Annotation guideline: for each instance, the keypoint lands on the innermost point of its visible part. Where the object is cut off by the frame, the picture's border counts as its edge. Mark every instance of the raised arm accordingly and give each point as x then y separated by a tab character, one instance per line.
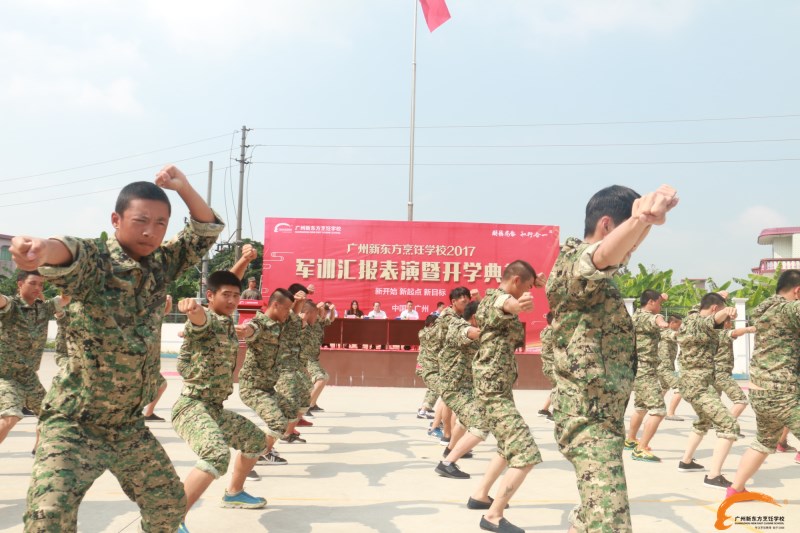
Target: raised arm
32	252
249	255
193	311
170	177
515	307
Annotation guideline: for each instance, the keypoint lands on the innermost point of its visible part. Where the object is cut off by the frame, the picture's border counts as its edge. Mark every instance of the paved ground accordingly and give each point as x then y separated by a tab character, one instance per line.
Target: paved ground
368	466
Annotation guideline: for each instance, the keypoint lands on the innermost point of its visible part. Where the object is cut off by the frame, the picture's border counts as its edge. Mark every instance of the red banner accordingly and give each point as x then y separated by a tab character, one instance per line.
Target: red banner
392	262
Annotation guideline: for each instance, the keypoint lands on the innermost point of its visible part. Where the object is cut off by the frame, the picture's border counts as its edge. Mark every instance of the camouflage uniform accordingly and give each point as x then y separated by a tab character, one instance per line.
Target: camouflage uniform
92	416
206	363
698	341
23	334
259	374
723	370
315	370
546	337
594	348
494	371
423	363
646	386
667	351
429	362
61	357
774	369
291	381
455	367
251	294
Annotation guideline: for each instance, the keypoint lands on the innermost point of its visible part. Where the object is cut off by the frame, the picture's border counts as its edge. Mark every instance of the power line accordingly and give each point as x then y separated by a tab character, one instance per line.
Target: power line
111	160
579	145
541	124
337	164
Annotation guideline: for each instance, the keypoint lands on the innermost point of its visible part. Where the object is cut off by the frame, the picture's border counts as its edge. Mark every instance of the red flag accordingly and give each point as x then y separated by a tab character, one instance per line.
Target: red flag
436	13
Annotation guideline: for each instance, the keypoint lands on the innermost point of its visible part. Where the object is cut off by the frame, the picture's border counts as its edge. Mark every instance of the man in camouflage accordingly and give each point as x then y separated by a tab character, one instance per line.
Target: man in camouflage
698	339
319	377
546	336
723	367
309	344
424	359
648	324
774	378
206	362
594	350
23	333
91	418
455	364
494	371
667	352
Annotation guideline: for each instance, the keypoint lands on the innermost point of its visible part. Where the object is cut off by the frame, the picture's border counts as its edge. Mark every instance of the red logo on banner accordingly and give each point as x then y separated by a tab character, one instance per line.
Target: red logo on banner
392	262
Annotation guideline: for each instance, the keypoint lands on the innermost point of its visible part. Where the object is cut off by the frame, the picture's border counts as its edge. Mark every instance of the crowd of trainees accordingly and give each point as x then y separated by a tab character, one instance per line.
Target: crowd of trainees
91	418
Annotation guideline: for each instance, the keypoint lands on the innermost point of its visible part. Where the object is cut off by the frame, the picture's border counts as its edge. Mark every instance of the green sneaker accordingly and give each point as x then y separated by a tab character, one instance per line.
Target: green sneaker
644	455
242	500
631	444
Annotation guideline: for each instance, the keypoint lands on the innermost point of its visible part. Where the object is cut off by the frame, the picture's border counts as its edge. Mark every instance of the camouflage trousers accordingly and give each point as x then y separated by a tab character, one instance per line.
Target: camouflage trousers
271	406
210	431
296	388
316	371
774	410
515	441
14	395
666	375
468	409
433	382
711	412
72	455
548	370
724	382
430	399
647	391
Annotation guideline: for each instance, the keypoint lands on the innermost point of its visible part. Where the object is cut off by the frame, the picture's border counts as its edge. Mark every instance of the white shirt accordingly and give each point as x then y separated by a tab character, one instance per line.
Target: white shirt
379	315
409	315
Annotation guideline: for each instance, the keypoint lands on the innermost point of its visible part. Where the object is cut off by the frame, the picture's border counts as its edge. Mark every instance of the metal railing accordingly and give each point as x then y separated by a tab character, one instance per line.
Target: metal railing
771	264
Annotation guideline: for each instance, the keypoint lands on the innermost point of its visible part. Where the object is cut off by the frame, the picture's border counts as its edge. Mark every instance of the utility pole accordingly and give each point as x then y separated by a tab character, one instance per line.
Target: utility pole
413	114
242	162
204	271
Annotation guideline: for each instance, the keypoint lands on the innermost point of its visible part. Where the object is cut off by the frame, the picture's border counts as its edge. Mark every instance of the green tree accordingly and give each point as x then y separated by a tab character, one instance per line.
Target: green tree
757	287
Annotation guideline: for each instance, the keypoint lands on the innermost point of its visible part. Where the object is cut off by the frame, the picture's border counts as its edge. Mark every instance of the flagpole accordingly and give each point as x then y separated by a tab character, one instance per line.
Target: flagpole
413	113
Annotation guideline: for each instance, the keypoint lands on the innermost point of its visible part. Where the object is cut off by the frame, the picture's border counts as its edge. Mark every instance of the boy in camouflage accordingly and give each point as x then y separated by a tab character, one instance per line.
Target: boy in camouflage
594	350
546	336
667	352
23	334
494	371
91	418
423	361
723	367
698	339
773	374
206	363
319	377
648	324
309	344
455	364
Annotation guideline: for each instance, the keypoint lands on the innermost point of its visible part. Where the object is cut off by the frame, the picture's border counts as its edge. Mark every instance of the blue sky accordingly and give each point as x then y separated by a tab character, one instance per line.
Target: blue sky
138	84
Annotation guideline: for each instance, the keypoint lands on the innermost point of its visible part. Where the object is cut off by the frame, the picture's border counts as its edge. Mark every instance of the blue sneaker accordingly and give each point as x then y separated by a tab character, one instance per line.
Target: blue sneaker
242	500
436	432
182	528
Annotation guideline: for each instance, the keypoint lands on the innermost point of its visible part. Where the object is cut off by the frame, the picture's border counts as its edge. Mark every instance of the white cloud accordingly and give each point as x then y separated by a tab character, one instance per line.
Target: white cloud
756	218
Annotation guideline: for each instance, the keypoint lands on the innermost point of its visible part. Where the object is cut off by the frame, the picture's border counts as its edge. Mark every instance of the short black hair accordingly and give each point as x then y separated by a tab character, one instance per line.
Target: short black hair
294	288
140	190
22	275
220	278
615	201
520	268
430	320
470	310
712	298
278	295
440	304
674	318
789	279
648	296
459	292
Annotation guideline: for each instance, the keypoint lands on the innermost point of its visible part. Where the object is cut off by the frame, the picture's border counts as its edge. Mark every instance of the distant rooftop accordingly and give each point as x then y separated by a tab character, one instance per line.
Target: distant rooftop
768	235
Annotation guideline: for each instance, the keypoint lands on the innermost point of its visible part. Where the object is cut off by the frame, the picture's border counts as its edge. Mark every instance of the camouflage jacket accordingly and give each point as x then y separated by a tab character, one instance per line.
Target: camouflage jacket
776	357
309	345
455	358
435	341
61	355
494	367
23	334
668	347
594	343
319	334
114	331
723	359
648	334
698	341
425	358
249	294
290	345
546	336
260	367
207	358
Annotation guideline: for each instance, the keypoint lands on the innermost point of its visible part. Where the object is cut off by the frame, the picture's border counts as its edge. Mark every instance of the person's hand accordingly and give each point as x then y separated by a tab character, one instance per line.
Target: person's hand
332	307
243	330
171	178
299	296
168	305
321	306
525	302
29	253
732	313
724	294
540	280
249	252
310	289
664	296
652	208
188	306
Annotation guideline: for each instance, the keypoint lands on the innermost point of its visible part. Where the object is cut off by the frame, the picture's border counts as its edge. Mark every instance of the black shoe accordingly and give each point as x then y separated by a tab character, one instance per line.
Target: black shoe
503	527
316	408
718	482
690	467
477	504
292	438
452	471
544	413
154	418
447	451
253	476
27	412
309	413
